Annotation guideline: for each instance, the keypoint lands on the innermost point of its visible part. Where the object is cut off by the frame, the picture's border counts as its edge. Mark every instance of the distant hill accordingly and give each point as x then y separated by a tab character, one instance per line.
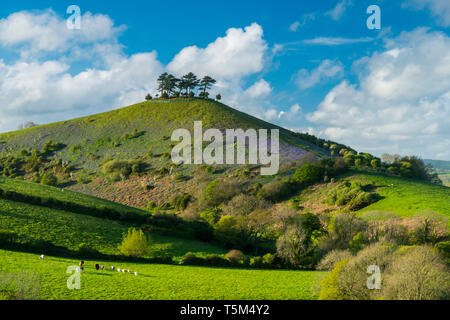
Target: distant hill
438	164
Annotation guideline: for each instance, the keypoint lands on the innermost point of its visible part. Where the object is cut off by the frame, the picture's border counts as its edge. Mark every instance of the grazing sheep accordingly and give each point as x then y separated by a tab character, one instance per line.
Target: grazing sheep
135	273
41	256
129	271
123	270
113	268
97	266
118	269
102	267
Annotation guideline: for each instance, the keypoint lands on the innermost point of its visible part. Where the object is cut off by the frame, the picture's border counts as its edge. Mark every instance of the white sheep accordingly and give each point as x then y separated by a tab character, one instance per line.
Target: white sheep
118	269
113	267
135	273
41	256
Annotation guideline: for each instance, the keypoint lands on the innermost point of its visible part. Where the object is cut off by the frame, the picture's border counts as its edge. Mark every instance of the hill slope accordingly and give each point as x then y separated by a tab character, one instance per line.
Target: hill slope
51	219
141	133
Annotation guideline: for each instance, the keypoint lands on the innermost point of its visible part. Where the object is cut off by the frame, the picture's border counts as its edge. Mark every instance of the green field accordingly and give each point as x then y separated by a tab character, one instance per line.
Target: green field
156	282
70	230
406	197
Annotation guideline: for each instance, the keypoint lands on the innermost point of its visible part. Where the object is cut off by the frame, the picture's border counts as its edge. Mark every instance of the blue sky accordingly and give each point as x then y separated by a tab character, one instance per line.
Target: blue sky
308	66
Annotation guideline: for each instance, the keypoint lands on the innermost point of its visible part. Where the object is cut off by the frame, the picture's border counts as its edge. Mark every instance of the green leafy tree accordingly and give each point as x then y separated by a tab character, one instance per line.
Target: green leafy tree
190	82
134	243
206	83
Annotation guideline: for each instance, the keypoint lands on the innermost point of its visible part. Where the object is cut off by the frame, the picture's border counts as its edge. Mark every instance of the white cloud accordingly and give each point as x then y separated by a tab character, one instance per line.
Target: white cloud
259	89
336	41
45	82
338	11
46	31
40	91
238	54
438	8
327	69
302	22
402	101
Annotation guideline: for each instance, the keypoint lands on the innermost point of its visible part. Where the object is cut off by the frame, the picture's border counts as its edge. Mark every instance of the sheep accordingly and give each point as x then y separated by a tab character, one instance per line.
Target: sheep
102	267
97	266
113	268
123	270
118	269
135	273
129	271
41	256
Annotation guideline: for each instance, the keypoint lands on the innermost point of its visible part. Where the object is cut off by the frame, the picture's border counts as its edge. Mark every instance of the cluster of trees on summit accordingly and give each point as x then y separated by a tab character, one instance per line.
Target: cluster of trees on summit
170	86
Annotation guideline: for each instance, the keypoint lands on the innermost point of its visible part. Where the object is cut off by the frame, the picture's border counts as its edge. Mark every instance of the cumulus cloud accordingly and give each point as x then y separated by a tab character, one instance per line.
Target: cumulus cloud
45	82
238	54
440	9
338	11
43	90
46	31
402	101
327	70
259	89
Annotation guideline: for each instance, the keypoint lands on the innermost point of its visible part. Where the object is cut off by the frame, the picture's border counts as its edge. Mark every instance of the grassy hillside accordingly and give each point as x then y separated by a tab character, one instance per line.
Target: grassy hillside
139	133
157	282
153	122
404	197
61	227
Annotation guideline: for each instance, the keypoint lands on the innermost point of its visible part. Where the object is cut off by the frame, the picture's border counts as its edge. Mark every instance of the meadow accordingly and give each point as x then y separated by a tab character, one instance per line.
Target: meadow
158	282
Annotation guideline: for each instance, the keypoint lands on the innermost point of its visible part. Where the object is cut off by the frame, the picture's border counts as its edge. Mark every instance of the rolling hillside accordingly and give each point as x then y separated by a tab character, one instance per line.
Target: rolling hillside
142	133
56	218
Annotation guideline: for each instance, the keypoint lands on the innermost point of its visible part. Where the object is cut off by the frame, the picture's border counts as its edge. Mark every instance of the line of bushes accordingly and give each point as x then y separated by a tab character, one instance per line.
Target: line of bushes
101	212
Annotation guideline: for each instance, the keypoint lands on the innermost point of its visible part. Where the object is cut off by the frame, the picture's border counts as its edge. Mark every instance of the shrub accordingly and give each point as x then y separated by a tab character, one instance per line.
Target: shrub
181	201
277	190
243	205
417	274
211	215
122	167
332	258
86	251
218	192
330	284
235	256
308	174
134	243
294	244
348	279
341	229
49	179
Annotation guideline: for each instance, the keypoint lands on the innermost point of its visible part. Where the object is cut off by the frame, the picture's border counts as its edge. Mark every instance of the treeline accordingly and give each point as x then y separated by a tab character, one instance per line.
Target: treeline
171	87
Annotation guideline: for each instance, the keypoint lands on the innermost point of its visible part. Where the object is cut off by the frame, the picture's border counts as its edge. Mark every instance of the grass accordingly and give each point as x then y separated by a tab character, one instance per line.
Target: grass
70	230
406	197
43	191
158	282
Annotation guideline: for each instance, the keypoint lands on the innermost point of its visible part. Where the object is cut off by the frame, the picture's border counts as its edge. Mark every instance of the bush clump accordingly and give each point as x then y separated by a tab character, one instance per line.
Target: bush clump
134	244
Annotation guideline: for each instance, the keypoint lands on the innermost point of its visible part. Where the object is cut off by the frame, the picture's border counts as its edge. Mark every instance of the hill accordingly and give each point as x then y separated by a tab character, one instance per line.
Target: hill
38	216
400	196
139	134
